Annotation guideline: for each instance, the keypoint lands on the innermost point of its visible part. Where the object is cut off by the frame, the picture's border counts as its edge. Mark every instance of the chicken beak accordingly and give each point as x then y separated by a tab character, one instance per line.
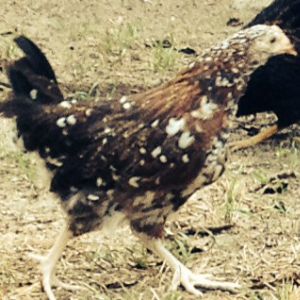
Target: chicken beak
291	51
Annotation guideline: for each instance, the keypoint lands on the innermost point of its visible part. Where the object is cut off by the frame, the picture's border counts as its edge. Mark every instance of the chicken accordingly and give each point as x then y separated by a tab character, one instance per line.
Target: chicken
275	87
139	158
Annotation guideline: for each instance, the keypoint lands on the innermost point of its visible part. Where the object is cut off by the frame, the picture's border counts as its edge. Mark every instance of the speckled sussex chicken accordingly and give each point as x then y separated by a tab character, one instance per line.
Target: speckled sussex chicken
139	158
275	87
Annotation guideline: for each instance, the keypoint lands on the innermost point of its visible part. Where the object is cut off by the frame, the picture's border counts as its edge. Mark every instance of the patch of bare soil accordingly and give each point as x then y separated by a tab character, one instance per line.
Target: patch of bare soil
244	228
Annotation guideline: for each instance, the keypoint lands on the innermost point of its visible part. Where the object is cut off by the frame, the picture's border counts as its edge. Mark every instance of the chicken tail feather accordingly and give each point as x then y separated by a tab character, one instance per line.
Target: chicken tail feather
32	76
34	87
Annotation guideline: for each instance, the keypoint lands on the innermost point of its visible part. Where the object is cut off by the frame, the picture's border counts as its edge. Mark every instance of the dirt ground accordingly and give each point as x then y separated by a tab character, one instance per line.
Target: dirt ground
243	228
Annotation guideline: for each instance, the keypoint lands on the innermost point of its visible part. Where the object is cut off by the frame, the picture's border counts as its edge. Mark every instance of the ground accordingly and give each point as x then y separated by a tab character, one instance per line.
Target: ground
243	228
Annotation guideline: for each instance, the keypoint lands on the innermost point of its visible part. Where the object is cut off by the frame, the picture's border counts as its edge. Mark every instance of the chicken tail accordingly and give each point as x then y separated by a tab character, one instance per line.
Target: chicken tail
34	87
32	76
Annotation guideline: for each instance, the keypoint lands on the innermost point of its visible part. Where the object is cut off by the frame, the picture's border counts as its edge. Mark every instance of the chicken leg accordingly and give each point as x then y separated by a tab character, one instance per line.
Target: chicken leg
49	262
258	138
184	276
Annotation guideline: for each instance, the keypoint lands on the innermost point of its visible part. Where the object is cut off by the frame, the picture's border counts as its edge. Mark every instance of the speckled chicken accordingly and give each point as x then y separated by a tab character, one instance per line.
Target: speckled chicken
275	87
136	159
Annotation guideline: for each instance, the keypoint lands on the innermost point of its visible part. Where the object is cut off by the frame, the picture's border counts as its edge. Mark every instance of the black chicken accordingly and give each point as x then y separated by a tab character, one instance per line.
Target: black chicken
140	157
275	87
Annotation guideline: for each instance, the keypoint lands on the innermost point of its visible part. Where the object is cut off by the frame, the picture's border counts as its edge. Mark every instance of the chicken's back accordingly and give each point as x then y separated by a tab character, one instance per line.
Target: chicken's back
275	86
284	13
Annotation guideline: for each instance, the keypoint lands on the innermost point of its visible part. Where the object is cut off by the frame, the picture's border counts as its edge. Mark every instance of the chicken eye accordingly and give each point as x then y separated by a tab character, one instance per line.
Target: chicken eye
273	40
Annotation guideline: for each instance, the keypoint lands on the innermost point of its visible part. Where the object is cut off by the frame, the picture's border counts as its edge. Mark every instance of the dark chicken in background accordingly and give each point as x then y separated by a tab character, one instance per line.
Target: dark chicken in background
275	87
138	158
